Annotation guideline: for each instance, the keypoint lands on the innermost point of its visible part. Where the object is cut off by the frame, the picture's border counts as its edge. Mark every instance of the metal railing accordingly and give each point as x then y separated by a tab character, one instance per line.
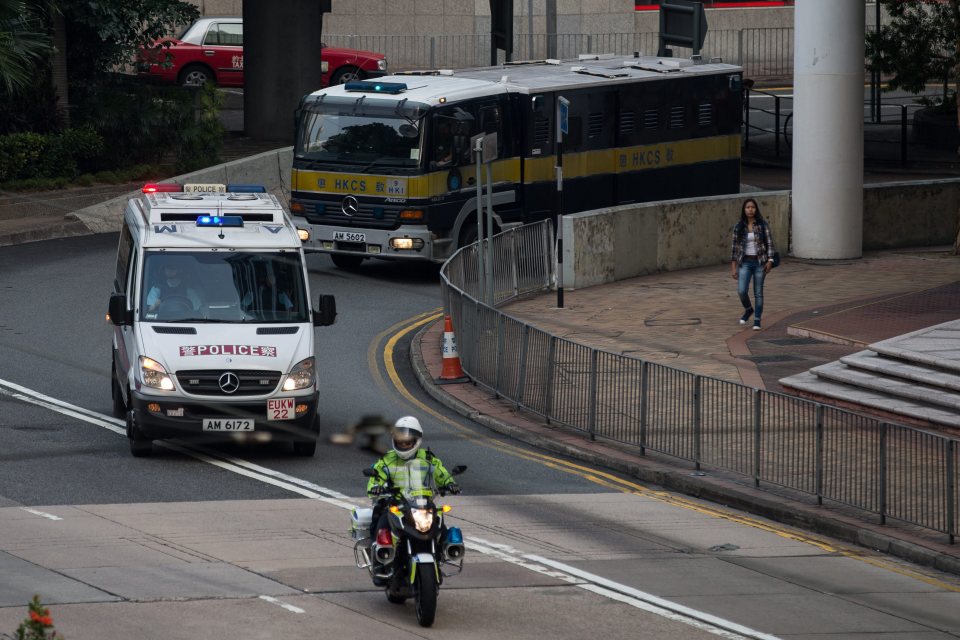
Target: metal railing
894	471
762	52
892	116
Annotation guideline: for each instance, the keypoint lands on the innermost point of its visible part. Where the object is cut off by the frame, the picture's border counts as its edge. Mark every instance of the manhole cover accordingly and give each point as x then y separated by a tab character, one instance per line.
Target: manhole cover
785	342
671	322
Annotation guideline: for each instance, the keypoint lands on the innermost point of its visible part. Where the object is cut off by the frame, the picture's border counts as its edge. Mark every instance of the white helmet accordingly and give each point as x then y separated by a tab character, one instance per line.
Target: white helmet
407	434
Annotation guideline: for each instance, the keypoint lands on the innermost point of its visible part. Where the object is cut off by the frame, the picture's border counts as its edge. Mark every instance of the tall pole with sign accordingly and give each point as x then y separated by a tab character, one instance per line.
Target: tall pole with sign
563	126
478	150
489	155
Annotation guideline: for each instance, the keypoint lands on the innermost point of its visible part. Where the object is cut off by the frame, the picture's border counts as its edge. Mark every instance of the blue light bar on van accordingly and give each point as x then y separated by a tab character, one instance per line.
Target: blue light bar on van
220	221
246	188
372	86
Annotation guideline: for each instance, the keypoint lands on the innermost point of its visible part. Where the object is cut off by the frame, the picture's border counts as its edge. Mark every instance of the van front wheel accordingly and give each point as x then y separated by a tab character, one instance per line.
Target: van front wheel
140	447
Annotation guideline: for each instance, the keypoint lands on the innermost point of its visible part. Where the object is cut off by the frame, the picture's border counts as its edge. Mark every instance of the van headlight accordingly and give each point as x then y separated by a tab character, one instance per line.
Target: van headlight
154	375
301	376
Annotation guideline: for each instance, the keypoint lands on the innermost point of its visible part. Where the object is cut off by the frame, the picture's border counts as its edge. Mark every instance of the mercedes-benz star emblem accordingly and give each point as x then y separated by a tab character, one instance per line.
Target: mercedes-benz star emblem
229	382
350	206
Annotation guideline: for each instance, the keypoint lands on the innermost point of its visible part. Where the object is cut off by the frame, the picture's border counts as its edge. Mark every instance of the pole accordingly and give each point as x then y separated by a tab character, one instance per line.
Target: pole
478	149
559	219
489	259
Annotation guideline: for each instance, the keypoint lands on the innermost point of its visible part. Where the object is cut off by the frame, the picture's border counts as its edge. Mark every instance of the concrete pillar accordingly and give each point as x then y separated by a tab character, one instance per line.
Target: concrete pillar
281	52
828	129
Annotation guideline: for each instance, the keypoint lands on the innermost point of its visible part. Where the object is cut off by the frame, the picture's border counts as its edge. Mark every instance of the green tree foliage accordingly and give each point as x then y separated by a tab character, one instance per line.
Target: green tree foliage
105	34
24	43
919	44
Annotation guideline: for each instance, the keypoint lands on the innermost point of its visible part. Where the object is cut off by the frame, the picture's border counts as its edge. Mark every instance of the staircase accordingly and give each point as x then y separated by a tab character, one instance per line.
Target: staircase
913	378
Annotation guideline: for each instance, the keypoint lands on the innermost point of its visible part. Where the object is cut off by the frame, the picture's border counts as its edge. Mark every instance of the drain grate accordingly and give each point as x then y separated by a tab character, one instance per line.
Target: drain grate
771	358
788	342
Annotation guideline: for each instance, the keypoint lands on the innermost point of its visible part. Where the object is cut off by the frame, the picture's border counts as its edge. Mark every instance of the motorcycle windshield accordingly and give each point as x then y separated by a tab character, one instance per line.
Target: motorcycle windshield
413	479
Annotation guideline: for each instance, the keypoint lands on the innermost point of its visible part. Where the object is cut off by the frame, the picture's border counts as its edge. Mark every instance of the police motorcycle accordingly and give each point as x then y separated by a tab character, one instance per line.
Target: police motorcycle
413	556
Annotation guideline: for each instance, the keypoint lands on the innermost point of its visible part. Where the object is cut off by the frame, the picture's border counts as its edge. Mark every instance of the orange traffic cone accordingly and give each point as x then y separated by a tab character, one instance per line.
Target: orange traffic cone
452	372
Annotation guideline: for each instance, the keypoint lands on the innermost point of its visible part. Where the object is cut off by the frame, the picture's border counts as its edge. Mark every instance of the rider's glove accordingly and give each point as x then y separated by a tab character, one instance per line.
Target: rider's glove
453	488
377	489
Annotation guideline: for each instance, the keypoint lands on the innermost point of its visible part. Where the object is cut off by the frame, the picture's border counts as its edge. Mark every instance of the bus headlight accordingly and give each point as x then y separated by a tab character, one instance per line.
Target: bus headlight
154	375
301	376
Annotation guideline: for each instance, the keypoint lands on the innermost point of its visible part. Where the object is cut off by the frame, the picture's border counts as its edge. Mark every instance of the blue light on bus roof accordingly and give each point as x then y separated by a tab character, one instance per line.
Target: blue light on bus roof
246	188
372	86
220	221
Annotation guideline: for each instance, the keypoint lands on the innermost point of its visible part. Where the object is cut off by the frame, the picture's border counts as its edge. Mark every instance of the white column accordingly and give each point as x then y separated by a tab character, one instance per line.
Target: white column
828	129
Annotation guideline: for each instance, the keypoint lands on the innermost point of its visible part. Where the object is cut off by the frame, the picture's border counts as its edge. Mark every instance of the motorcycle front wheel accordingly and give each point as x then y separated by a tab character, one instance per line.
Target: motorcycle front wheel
426	595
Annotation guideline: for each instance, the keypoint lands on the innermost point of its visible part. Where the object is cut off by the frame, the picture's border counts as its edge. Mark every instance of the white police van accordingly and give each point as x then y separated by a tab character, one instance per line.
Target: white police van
213	324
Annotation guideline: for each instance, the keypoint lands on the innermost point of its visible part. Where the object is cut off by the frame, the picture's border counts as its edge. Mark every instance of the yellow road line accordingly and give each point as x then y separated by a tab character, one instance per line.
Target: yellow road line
603	478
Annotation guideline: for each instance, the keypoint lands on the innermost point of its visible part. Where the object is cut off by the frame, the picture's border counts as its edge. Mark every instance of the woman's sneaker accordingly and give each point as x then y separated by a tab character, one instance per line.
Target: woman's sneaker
746	316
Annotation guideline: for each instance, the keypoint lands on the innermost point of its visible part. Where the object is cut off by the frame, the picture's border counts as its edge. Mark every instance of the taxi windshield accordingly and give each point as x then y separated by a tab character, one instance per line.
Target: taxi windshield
332	132
207	286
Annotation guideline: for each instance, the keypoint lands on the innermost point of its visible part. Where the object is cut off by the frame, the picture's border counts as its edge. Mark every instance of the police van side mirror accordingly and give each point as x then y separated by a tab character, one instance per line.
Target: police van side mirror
326	313
119	314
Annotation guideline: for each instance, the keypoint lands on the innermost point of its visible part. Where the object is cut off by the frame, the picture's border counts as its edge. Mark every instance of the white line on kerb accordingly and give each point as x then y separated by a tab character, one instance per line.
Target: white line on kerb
283	605
42	514
582	579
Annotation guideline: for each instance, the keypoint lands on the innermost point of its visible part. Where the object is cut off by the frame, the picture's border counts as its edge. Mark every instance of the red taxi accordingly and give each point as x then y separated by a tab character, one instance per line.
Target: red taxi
211	50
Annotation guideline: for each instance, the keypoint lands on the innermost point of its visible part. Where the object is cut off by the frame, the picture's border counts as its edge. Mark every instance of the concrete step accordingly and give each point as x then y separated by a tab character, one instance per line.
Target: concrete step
812	386
937	346
898	387
869	360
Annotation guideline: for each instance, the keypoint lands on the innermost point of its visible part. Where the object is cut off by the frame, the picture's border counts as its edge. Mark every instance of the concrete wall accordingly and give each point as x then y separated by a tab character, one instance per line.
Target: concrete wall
270	169
612	244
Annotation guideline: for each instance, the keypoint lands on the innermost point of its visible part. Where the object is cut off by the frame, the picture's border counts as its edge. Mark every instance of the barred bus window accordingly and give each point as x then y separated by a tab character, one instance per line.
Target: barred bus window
626	122
651	119
541	129
594	125
705	114
677	119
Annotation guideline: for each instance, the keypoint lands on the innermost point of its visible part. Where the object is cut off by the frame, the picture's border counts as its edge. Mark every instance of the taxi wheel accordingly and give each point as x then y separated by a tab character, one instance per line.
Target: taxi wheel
140	447
195	76
345	75
346	262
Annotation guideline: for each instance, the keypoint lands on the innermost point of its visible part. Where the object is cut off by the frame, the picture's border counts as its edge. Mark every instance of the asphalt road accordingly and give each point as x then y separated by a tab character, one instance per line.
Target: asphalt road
255	538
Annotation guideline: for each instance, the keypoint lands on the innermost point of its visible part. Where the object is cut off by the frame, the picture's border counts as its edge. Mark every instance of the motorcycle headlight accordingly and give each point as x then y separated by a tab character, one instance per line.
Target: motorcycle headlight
301	376
154	375
422	519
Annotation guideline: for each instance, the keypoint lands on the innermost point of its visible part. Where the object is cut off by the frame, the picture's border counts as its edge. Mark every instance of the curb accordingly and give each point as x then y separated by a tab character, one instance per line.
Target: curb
651	471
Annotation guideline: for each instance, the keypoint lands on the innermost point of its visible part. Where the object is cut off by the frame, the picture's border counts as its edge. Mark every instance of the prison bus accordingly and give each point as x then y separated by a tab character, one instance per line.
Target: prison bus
385	168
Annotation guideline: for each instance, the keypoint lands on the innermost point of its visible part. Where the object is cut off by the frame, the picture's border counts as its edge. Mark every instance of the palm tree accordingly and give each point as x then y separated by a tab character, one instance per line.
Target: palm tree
23	42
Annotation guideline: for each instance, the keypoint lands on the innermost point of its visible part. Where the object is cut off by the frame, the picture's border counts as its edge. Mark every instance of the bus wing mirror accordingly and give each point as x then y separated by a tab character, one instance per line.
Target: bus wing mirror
326	313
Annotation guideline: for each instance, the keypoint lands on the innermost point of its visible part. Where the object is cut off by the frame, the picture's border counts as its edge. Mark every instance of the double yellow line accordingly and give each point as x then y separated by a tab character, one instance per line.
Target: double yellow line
392	335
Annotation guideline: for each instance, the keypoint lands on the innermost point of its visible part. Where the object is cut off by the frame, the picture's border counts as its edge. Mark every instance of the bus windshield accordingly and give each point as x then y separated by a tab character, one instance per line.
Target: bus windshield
330	132
207	286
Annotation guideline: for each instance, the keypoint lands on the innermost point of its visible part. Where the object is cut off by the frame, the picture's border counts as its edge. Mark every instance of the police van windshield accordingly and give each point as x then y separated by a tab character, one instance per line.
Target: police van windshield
371	137
206	286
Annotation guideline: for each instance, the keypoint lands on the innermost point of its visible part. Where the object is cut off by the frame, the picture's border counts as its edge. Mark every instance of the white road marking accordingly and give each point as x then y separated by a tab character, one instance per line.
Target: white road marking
42	514
593	583
282	605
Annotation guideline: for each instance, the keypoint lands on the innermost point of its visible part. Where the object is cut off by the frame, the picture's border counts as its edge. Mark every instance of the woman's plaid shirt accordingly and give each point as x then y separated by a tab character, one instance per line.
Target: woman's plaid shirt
764	239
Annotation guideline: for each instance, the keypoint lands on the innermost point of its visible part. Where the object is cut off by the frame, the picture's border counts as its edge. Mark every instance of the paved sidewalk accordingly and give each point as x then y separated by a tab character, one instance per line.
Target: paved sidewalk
815	312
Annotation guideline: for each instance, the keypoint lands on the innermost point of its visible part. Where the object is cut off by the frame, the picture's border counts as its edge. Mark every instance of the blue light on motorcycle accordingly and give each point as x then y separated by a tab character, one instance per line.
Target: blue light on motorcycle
454	536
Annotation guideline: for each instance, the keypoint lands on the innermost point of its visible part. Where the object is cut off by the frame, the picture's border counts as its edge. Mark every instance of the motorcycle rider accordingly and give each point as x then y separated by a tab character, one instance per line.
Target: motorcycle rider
407	434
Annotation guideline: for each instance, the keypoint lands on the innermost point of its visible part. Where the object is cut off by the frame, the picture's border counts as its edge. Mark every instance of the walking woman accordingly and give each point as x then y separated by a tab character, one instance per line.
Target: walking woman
751	257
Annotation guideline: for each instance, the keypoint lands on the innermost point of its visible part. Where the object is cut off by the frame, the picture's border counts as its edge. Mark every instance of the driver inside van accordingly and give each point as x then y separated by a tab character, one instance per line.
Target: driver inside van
170	287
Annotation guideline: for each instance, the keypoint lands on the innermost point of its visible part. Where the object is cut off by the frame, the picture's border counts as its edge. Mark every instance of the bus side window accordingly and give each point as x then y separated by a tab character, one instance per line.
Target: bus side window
490	123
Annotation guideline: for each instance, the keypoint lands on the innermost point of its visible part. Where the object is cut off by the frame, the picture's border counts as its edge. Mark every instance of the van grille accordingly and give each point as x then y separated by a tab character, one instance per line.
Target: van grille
206	382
